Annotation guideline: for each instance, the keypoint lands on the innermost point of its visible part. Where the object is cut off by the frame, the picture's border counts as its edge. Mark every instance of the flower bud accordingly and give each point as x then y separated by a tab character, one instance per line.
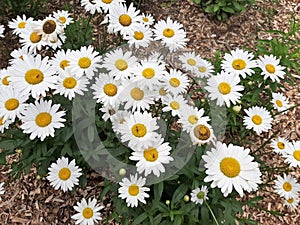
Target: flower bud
186	198
168	202
122	172
237	108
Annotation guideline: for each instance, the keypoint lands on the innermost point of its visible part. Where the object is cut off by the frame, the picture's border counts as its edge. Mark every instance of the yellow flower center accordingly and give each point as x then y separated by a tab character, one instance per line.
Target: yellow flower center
202	69
201	195
224	88
257	120
62	19
162	92
230	167
70	82
133	190
137	94
168	32
270	68
64	63
191	62
193	119
35	37
139	130
34	76
125	20
202	132
138	35
296	155
280	145
175	105
5	81
121	64
12	104
84	62
87	213
279	103
49	26
22	25
146	19
107	1
64	173
148	73
287	186
239	64
290	200
174	82
110	89
43	119
151	154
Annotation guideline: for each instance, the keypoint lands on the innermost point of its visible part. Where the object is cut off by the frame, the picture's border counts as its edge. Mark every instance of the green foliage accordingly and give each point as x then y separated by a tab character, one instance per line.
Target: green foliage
19	7
222	9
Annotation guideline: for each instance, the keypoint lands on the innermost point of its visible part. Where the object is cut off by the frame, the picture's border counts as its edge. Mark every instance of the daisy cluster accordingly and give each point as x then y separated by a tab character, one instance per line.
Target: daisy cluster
128	83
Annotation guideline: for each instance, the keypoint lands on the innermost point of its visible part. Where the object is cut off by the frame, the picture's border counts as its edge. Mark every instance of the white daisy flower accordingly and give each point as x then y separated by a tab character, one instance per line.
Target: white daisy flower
171	34
293	154
85	61
279	145
64	175
239	62
18	54
139	130
119	118
258	119
2	29
31	40
119	64
204	68
5	74
63	17
202	133
12	103
19	24
123	20
141	36
41	119
174	104
147	19
4	124
148	73
88	212
33	75
189	116
151	159
292	203
280	102
106	5
136	97
199	195
61	60
224	88
175	82
271	68
231	167
108	111
107	90
286	186
133	190
189	61
160	92
90	6
49	28
68	85
57	43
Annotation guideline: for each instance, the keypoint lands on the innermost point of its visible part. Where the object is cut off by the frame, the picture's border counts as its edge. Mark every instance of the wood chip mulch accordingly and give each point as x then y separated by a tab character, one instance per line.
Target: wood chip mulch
29	200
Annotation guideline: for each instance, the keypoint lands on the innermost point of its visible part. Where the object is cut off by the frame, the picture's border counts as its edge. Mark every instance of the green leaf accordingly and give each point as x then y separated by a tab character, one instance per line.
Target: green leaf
228	9
179	192
140	219
158	190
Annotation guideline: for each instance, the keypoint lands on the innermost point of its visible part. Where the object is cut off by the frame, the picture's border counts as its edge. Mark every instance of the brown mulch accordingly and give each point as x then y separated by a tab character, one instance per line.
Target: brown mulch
32	201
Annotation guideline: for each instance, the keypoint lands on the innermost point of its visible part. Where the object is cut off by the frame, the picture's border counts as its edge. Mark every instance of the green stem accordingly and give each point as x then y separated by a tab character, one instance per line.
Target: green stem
212	213
292	107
